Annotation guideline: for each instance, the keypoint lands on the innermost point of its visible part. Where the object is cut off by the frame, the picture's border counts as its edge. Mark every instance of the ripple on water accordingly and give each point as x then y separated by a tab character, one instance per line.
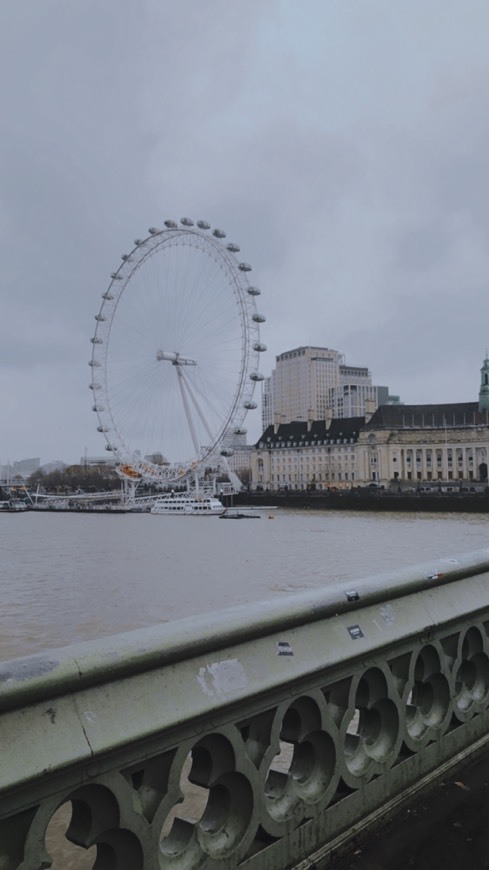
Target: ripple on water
70	577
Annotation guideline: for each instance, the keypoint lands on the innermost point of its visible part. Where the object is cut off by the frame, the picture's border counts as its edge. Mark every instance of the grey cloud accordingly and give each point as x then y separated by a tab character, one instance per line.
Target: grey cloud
422	248
343	146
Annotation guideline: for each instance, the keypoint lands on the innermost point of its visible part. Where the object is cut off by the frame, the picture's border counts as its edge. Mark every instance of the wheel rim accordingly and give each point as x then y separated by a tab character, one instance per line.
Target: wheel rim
175	352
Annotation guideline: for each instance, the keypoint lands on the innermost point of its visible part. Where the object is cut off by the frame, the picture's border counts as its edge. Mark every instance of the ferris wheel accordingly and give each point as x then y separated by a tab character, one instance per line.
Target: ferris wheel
176	350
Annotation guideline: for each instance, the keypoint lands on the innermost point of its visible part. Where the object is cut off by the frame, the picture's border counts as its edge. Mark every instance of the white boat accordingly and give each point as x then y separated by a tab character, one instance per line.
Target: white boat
188	504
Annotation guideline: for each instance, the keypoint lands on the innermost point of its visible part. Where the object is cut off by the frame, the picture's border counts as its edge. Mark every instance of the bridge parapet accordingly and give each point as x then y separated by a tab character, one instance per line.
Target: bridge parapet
261	737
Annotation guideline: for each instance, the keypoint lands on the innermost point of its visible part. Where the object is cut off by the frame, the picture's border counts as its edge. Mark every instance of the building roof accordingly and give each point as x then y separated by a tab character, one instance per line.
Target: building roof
298	431
302	349
447	416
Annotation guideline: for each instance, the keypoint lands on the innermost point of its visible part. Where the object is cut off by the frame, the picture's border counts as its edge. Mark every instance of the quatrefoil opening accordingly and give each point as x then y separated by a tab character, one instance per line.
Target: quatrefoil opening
217	808
471	675
428	704
302	774
371	727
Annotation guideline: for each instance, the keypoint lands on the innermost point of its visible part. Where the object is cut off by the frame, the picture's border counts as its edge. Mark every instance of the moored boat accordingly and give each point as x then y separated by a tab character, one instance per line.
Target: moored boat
235	514
12	506
188	504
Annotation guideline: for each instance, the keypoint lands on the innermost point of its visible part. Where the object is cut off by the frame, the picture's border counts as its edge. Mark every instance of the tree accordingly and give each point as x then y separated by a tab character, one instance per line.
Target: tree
91	478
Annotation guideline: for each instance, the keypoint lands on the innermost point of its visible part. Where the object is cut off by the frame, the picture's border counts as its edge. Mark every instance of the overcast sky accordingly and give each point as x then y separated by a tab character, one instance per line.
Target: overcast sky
342	143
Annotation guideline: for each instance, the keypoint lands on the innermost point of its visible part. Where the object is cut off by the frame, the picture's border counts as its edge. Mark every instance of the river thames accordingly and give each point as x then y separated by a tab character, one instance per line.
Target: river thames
73	576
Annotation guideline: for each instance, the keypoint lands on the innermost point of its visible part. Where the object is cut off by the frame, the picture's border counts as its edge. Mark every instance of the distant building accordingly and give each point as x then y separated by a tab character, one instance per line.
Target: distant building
6	472
55	465
405	446
26	467
300	455
266	404
240	461
315	383
108	460
418	444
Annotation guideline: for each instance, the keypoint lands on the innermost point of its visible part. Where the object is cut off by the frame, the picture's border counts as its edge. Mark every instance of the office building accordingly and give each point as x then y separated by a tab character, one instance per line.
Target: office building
315	383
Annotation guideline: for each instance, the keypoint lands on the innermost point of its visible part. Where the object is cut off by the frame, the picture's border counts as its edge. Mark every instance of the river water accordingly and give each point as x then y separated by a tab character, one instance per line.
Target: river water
73	576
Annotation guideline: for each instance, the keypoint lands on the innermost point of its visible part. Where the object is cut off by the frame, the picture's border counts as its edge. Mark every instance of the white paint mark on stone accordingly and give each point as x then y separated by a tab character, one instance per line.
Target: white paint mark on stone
220	678
387	614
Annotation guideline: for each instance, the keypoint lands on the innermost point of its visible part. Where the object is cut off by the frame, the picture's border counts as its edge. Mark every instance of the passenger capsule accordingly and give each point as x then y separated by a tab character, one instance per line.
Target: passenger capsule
138	242
250	406
219	234
94	363
96	340
153	230
203	225
109	447
186	222
257	376
227	451
115	276
259	346
245	267
100	317
258	318
253	291
98	408
240	430
94	387
125	257
171	225
102	428
108	296
233	248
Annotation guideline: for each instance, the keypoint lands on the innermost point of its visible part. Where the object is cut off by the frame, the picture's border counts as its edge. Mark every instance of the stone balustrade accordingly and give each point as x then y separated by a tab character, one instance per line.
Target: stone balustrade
261	737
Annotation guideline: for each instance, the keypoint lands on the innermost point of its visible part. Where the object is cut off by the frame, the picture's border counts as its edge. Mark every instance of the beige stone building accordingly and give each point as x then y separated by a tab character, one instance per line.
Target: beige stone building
425	444
405	446
301	456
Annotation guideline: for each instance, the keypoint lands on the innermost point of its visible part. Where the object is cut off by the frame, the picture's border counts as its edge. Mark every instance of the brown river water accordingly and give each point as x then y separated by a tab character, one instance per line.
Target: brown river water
72	576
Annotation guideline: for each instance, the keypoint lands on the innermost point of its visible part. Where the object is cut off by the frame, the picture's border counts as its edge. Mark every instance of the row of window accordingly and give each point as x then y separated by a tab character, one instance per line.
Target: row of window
460	451
269	445
321	478
439	475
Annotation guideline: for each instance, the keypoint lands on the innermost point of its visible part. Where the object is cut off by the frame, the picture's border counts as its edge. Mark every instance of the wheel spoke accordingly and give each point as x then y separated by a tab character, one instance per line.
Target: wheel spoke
180	300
